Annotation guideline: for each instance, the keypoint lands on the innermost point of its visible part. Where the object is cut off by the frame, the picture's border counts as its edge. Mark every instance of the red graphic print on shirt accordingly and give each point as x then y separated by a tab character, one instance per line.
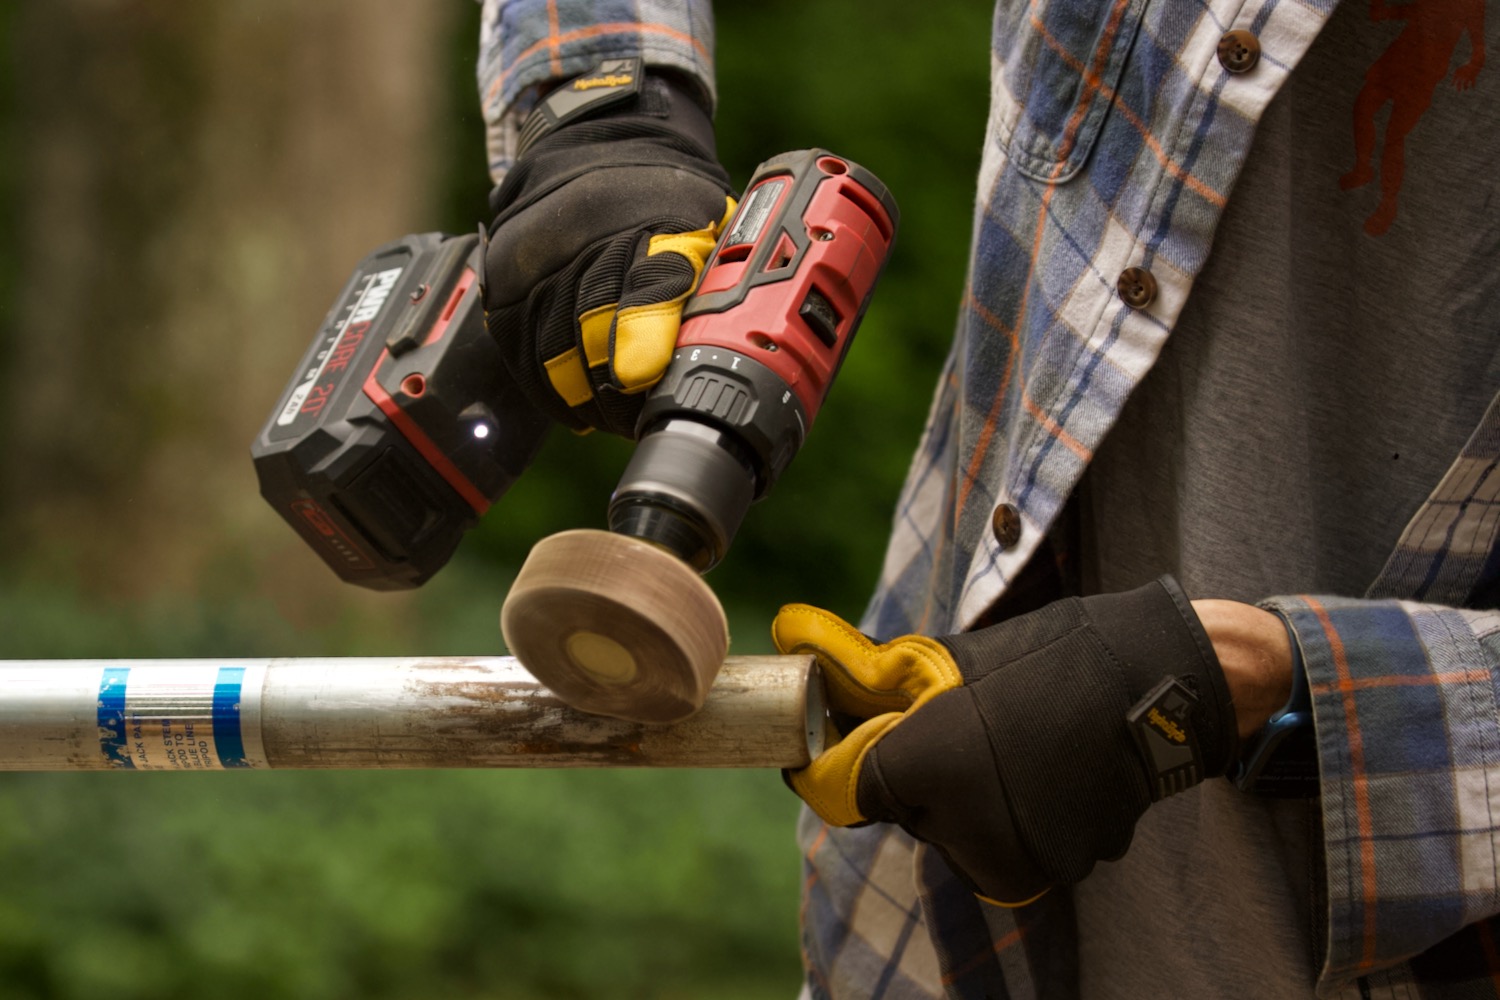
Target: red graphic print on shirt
1406	75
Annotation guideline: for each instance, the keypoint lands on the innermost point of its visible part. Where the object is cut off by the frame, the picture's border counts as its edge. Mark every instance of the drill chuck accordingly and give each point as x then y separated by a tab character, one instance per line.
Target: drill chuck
687	488
719	429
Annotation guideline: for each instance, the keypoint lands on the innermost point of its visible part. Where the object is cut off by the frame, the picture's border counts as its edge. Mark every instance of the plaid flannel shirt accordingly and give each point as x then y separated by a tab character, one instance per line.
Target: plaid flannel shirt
1114	139
526	43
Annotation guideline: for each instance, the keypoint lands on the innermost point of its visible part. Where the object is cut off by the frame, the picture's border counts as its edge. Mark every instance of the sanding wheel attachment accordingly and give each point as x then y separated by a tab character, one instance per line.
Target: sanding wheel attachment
616	626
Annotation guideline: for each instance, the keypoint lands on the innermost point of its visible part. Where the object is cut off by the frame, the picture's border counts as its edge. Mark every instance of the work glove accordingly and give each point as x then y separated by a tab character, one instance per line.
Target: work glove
1024	752
602	228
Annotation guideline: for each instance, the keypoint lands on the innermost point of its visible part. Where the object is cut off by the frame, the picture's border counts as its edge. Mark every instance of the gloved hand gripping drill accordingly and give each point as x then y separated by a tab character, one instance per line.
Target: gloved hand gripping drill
601	230
410	414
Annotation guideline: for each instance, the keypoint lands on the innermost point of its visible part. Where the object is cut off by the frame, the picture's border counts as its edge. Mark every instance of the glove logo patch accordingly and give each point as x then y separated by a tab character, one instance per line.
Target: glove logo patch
1162	725
608	80
1166	726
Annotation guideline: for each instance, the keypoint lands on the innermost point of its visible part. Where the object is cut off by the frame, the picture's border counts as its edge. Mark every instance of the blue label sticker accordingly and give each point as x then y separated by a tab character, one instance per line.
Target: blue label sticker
112	717
196	717
227	741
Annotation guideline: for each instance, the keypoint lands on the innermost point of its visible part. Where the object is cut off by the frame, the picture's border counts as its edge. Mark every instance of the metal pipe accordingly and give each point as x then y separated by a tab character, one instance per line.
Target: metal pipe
380	712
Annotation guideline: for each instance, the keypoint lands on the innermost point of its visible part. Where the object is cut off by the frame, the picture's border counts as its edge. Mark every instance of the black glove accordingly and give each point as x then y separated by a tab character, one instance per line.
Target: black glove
602	228
1024	752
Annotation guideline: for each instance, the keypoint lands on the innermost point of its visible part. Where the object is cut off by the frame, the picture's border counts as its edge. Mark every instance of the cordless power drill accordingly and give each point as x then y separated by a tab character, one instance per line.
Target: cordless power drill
402	426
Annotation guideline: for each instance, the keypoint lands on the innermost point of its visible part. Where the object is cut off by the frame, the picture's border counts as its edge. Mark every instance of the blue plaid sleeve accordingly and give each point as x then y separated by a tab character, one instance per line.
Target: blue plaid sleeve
1408	732
524	43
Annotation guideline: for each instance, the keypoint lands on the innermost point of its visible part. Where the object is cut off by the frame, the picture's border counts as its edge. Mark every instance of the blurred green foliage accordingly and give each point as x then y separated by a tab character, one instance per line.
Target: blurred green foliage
409	885
526	884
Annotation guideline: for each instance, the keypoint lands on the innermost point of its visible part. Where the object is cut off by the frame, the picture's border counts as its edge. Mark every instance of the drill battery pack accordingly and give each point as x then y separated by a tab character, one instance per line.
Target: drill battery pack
401	425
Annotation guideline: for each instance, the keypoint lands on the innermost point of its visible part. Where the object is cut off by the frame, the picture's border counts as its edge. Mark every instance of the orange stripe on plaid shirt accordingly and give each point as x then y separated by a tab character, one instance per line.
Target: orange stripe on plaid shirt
1052	427
555	41
1070	136
1366	683
991	419
1097	84
812	878
1013	938
1358	779
554	61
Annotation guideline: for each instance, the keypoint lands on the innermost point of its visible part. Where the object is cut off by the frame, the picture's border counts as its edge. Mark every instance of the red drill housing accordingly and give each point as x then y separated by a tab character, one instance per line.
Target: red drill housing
760	344
792	274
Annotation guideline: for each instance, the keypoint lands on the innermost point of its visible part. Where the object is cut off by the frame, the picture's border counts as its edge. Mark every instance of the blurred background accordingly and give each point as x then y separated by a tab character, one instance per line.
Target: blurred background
185	188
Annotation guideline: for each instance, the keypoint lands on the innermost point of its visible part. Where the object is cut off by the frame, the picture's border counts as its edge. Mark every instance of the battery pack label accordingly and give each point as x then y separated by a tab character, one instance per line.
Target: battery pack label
331	358
181	718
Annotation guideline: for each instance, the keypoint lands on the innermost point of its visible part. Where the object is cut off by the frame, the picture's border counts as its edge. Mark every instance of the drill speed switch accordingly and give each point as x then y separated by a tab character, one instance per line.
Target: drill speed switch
760	343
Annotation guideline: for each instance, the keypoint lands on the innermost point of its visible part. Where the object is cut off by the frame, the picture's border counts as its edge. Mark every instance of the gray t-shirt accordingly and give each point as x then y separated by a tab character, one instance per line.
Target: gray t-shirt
1335	354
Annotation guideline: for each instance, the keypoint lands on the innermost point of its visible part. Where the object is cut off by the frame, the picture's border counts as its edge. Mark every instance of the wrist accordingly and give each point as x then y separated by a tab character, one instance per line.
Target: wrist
1155	636
1255	655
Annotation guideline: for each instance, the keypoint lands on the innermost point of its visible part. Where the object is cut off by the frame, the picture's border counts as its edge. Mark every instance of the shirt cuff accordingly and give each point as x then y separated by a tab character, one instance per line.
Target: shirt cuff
1408	737
526	44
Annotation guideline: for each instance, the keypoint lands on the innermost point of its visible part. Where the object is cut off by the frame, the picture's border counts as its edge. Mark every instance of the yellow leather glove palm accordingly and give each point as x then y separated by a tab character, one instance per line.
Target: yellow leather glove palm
879	684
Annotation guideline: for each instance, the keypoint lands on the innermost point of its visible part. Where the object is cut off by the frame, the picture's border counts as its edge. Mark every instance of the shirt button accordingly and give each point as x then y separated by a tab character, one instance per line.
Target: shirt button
1239	51
1137	286
1006	524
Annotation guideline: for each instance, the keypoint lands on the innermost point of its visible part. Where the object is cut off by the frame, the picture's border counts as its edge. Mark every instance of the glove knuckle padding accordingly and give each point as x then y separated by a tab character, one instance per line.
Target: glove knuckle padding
650	310
576	217
554	278
537	333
